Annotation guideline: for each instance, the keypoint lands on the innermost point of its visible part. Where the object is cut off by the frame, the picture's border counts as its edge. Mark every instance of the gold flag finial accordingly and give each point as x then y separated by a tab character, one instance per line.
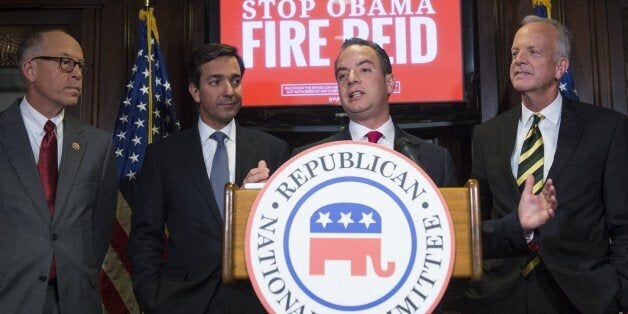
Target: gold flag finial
546	3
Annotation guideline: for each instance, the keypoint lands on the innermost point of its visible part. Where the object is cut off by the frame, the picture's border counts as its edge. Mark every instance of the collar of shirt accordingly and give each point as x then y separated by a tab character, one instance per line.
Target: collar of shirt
34	123
34	119
549	127
209	146
551	113
358	133
205	131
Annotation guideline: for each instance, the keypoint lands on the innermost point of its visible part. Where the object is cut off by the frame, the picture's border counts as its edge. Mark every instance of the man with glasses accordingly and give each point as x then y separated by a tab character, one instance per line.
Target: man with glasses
66	64
58	189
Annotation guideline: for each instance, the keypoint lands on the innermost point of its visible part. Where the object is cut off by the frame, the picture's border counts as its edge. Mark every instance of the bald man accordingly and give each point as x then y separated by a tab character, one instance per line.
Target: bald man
58	189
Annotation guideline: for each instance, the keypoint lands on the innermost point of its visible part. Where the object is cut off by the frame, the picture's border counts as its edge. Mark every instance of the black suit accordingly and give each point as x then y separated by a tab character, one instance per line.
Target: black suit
435	160
590	174
174	190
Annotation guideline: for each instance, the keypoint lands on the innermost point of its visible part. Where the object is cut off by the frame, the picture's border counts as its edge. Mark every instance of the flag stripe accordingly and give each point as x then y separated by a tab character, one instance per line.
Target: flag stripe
123	214
121	281
114	303
119	246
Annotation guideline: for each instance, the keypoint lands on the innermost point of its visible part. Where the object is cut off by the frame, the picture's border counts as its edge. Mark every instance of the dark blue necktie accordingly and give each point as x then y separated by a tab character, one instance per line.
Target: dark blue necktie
219	174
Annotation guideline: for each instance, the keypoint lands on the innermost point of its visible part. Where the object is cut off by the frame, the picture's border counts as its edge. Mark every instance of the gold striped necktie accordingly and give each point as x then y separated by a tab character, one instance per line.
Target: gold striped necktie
531	163
531	158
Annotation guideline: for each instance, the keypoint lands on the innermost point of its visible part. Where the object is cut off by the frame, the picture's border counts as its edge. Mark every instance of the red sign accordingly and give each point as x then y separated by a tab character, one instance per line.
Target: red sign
289	46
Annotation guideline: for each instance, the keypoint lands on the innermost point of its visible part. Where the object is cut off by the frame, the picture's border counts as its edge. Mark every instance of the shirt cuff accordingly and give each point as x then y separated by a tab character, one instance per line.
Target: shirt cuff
532	241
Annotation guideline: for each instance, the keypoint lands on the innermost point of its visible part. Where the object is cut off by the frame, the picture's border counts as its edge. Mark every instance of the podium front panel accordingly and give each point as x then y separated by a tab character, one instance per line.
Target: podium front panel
463	204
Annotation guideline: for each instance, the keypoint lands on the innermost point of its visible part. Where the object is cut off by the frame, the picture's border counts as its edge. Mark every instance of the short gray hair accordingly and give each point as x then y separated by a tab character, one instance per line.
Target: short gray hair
30	46
563	43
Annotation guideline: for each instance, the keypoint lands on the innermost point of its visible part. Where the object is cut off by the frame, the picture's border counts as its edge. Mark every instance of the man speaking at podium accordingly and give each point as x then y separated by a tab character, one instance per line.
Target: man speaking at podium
365	81
577	260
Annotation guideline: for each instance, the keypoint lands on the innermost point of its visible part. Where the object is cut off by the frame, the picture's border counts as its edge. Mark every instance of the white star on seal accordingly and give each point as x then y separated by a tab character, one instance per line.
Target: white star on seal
345	219
323	219
367	220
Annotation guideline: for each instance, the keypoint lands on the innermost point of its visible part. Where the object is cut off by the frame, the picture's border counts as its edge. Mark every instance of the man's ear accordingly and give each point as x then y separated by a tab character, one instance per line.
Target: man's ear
28	70
390	83
561	67
194	92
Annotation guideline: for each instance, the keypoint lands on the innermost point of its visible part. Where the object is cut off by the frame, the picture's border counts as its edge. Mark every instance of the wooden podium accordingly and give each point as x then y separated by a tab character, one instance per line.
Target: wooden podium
463	203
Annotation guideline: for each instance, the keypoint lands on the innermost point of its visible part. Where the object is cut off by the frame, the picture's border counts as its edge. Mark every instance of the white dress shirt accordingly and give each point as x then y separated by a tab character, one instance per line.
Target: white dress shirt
209	146
358	133
549	130
34	122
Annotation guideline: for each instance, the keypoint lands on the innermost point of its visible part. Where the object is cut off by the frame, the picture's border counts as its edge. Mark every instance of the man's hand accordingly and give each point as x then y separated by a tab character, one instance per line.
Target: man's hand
259	174
536	210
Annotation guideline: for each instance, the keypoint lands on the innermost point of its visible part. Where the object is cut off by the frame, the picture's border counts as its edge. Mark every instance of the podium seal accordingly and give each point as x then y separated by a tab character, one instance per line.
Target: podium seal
349	227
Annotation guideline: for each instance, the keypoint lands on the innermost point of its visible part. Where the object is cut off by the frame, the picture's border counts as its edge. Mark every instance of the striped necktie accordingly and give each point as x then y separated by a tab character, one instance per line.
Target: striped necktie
531	158
531	163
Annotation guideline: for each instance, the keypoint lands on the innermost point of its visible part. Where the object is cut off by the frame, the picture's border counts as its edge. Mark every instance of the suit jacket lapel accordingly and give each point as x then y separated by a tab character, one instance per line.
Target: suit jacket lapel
569	133
246	152
15	143
507	140
416	145
191	153
343	135
74	147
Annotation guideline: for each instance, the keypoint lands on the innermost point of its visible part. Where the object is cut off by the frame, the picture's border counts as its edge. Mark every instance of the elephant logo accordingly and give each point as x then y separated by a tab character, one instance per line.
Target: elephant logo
334	229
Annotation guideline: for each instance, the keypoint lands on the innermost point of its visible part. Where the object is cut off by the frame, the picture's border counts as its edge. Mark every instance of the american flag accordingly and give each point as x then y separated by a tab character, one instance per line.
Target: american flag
146	114
543	8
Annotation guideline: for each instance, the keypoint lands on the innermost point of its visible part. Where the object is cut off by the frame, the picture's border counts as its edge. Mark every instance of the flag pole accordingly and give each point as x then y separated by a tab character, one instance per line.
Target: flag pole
150	20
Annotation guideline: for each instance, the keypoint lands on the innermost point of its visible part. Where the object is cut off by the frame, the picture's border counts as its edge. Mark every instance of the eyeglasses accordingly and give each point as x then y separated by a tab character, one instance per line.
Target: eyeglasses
67	64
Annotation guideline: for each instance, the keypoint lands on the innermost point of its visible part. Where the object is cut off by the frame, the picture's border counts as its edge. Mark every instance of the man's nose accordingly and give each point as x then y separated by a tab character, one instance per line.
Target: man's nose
354	77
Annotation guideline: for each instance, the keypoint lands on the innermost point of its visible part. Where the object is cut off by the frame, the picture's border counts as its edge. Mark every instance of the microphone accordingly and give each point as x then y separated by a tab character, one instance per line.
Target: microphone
404	146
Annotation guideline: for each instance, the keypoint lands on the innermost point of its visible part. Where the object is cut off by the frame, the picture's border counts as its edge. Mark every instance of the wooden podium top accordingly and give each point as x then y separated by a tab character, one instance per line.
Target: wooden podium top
463	204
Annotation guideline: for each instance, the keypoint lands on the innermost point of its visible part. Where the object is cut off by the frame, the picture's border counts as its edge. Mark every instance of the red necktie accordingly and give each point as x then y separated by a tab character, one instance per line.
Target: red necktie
48	173
373	136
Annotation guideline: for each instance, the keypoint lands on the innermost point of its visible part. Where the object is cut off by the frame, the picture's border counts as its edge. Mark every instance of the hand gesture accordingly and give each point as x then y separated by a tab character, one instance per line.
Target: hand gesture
259	174
536	210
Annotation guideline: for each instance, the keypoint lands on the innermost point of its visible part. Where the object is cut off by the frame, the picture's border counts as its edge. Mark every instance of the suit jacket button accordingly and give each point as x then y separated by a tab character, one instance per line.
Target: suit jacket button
55	237
43	278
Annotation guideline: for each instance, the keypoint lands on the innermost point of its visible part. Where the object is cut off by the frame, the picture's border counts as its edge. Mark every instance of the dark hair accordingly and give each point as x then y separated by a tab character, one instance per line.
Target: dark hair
383	57
209	52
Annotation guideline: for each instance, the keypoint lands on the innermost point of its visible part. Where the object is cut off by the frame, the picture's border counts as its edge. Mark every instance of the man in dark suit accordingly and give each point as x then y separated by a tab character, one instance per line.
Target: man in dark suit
176	192
58	189
365	82
573	259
